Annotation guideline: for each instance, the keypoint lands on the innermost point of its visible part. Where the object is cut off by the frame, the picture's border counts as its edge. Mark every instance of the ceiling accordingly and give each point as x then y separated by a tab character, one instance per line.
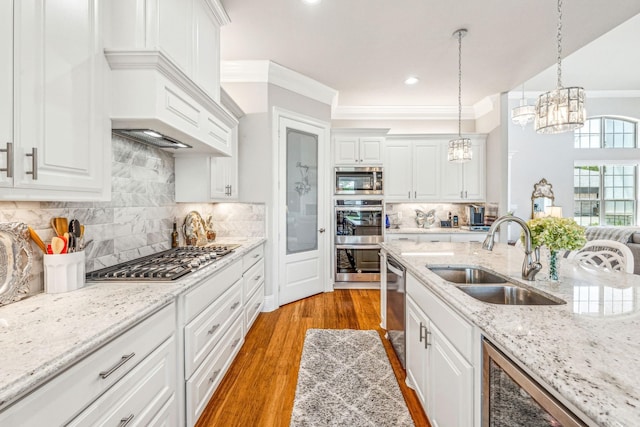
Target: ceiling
365	49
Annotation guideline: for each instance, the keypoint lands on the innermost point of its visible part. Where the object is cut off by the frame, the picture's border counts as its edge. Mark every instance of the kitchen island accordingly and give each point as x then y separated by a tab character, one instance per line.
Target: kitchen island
585	352
47	334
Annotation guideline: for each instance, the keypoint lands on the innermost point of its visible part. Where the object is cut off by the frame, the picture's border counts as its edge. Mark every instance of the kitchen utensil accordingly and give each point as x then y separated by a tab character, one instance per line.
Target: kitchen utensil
60	225
58	245
71	242
38	241
74	227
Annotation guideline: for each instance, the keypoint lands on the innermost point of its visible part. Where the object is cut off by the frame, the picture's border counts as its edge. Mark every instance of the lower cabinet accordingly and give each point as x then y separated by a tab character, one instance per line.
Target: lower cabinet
212	323
131	378
253	289
439	352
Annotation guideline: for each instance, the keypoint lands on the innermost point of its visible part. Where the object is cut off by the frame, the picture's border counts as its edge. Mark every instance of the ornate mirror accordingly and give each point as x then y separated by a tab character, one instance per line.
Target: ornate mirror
541	198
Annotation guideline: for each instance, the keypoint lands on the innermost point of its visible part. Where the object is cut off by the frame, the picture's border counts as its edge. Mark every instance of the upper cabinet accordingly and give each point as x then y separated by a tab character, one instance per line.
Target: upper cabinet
466	181
201	179
358	147
416	169
165	61
54	125
411	170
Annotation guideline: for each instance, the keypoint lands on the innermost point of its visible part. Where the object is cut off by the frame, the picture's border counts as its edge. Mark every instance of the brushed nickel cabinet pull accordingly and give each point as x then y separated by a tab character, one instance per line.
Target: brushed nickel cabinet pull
461	196
125	421
256	256
426	338
465	194
415	194
257	278
409	194
258	305
235	305
213	376
235	343
9	168
124	359
421	328
34	163
213	329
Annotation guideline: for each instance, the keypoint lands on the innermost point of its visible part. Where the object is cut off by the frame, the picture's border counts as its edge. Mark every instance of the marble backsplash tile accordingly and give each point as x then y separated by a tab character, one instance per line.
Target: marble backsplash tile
139	218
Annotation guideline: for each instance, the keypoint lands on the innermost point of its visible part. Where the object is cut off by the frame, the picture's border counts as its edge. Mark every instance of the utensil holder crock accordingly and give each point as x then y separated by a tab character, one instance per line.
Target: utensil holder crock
63	272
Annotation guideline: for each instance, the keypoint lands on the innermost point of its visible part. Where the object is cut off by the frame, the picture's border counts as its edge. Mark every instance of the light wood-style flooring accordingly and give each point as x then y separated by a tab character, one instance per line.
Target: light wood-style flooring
259	388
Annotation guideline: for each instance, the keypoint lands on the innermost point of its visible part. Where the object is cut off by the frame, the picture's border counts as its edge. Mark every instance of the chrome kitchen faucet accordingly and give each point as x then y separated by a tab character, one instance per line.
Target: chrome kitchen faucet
531	264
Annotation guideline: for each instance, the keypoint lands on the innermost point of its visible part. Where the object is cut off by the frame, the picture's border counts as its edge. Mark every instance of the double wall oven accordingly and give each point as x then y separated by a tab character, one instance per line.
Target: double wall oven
359	224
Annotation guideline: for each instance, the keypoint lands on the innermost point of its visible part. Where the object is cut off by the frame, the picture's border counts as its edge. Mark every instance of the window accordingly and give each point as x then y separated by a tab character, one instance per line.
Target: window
606	132
605	194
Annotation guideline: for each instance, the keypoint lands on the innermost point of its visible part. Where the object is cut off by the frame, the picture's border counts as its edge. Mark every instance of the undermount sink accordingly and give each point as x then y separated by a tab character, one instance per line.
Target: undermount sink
467	275
489	287
508	295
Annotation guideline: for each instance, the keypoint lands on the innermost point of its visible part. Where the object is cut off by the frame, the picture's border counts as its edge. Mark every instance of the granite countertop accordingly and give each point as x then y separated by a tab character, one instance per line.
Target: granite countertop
587	352
45	334
435	230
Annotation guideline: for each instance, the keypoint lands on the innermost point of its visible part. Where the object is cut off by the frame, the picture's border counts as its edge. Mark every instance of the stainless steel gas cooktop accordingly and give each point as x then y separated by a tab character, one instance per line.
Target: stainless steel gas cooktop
163	266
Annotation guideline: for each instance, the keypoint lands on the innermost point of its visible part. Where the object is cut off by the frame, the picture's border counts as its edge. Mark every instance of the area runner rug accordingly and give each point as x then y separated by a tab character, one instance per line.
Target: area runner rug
346	379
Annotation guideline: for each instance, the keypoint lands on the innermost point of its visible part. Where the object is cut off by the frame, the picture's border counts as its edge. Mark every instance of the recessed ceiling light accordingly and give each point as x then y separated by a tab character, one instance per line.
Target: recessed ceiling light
411	80
311	1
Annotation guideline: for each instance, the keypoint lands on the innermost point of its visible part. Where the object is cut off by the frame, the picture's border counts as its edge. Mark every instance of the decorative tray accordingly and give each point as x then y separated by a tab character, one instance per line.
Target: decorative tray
15	261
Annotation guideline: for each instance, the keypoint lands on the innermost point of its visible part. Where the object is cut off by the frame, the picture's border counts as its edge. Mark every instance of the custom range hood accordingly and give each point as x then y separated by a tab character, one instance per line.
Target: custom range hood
155	102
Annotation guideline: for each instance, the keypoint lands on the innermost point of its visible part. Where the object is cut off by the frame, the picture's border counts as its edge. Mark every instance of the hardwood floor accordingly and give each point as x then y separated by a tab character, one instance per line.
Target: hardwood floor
259	388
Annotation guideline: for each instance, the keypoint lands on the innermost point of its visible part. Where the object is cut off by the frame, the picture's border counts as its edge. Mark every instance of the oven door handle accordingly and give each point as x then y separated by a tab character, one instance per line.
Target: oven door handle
357	246
359	209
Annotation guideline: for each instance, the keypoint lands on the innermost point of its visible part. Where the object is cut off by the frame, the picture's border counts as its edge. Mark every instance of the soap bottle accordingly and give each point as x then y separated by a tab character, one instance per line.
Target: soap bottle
387	224
174	236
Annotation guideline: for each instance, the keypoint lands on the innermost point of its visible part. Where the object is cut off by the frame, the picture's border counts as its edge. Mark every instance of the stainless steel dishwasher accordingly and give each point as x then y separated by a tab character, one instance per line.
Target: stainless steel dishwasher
396	279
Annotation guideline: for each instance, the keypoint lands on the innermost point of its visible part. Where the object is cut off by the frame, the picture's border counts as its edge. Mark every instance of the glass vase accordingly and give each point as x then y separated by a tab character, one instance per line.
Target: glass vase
554	266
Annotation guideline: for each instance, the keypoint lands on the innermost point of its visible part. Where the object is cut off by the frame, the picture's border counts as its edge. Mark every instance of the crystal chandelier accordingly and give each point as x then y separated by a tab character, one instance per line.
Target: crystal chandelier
460	148
562	109
524	113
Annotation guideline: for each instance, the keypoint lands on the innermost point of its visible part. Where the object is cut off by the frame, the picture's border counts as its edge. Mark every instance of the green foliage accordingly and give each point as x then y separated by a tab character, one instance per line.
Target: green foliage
556	233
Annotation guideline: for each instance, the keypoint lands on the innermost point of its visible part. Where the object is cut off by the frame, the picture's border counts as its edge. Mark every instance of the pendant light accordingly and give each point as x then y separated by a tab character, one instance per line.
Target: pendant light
523	114
459	149
562	109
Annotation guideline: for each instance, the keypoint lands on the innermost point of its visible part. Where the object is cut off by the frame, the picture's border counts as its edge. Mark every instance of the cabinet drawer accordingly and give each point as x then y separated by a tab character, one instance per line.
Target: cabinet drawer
139	396
251	257
204	382
454	327
253	307
204	332
253	278
211	288
65	395
402	238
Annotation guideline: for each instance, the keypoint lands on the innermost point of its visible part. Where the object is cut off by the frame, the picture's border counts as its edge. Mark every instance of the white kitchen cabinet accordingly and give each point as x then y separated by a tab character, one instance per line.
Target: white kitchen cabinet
416	351
253	289
401	237
134	374
465	181
205	178
412	170
358	147
187	32
439	356
211	316
53	105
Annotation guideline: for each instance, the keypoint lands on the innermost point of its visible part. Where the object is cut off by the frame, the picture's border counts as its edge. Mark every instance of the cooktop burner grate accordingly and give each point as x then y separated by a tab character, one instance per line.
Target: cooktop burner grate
163	266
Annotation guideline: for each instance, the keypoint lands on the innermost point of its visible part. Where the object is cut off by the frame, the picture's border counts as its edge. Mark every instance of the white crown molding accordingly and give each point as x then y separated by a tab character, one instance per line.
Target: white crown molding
218	12
263	71
408	112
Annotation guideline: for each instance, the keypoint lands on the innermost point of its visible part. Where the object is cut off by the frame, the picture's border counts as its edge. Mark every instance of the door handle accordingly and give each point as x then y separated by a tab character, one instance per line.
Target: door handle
321	230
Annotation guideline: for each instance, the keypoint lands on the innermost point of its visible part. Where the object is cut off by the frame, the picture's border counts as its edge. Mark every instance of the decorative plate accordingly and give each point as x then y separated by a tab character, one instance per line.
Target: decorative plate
194	229
15	261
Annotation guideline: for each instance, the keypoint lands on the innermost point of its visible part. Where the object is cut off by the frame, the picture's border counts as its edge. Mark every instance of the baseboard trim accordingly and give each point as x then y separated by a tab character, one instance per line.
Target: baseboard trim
269	304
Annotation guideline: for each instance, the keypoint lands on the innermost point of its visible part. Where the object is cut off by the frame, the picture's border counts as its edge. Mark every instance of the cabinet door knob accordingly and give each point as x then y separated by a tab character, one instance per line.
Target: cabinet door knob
321	230
34	163
9	168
